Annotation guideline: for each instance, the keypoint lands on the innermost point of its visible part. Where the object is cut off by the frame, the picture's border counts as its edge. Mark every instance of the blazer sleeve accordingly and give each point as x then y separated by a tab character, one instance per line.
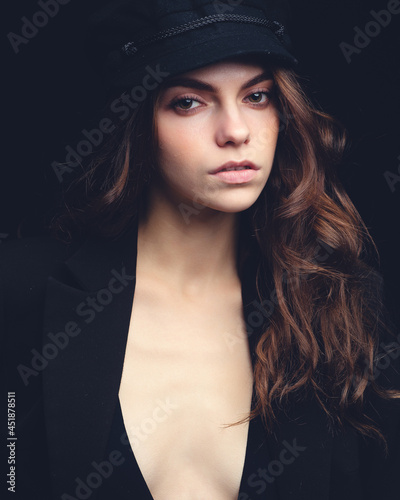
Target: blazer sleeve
380	467
24	268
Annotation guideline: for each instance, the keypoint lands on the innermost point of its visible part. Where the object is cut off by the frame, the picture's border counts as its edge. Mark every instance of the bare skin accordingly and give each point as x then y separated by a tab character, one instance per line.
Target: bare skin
187	368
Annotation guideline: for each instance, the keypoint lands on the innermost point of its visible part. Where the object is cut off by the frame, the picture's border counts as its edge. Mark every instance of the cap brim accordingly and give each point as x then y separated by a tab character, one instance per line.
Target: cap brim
174	57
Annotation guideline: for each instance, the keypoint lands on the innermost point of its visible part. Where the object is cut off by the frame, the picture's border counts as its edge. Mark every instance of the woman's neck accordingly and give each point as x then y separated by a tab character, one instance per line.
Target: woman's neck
192	247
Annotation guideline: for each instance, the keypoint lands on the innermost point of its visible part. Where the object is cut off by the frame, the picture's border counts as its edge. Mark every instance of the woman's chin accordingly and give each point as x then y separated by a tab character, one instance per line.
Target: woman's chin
235	203
233	207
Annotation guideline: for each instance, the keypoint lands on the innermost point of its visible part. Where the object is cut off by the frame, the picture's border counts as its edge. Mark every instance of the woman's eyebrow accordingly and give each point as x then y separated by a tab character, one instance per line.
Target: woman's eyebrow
200	85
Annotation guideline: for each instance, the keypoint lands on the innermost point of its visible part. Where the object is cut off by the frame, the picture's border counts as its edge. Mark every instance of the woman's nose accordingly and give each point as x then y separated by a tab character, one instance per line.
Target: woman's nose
231	127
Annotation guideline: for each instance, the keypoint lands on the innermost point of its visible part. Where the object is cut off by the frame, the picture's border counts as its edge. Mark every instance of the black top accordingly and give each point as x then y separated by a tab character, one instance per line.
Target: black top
127	482
64	359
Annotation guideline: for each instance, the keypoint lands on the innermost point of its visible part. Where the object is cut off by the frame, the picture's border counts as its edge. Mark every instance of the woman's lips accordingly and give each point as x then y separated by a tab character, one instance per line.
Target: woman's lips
236	172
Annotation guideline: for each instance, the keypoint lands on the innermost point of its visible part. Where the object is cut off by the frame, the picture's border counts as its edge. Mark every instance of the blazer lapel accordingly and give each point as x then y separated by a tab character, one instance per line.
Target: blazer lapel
301	445
301	453
86	322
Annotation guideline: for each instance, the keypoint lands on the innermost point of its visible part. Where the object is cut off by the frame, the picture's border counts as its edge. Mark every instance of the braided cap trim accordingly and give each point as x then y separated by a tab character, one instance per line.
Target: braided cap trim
131	48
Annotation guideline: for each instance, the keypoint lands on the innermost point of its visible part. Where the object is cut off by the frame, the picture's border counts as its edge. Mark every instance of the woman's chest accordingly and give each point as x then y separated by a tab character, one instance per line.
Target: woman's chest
187	374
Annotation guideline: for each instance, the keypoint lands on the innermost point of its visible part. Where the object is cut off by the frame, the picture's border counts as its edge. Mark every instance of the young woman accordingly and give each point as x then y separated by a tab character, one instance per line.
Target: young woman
212	330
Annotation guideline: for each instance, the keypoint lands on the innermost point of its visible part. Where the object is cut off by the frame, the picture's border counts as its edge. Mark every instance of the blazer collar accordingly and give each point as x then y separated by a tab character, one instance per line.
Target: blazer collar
92	264
86	323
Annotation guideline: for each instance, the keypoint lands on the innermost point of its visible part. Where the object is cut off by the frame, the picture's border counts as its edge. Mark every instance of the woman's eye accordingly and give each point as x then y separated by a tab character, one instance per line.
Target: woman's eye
190	103
186	104
258	97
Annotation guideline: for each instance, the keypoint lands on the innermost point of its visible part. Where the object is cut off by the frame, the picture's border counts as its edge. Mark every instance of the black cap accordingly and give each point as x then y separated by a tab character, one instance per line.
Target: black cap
175	36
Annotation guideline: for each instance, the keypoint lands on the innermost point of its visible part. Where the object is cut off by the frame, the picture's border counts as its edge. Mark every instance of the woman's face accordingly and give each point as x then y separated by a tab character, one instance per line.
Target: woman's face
217	131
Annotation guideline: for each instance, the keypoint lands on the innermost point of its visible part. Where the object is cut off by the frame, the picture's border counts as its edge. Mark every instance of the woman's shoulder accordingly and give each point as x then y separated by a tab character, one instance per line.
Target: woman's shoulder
33	248
26	263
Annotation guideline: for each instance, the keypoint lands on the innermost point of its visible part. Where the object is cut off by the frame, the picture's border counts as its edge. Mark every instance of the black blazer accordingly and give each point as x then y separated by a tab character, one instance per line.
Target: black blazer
65	313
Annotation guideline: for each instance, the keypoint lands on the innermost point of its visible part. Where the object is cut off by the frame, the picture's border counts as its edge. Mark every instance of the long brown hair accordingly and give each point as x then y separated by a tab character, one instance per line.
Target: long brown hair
322	337
324	332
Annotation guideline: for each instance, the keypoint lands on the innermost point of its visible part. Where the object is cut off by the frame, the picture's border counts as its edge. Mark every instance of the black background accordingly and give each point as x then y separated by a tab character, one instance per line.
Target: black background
51	93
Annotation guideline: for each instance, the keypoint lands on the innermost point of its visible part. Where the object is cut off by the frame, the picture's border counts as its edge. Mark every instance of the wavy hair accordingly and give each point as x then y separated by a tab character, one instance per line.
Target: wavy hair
322	337
324	334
